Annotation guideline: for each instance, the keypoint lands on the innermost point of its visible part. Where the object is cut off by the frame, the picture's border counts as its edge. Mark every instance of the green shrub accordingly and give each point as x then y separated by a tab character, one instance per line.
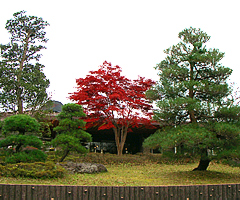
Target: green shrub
33	170
27	156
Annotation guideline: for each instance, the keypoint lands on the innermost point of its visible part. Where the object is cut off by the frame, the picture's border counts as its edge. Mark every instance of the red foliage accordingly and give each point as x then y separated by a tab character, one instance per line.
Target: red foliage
111	98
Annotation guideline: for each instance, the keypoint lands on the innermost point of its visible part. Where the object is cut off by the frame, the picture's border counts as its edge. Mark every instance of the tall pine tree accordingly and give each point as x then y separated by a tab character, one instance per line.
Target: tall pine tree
22	81
192	97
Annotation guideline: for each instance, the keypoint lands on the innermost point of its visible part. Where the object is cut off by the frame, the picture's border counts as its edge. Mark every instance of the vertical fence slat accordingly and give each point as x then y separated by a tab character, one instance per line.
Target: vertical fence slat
109	193
91	193
214	190
187	192
141	193
23	192
97	193
85	192
163	192
229	192
57	194
12	192
149	192
205	192
197	192
34	192
127	193
121	192
75	193
180	192
238	191
6	192
52	192
156	193
192	192
1	191
116	193
132	193
103	193
69	193
173	192
232	191
136	193
63	193
40	192
224	189
18	191
220	191
28	192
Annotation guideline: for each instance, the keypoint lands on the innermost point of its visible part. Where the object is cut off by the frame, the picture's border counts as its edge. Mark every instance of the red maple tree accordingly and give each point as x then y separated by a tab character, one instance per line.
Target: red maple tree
113	101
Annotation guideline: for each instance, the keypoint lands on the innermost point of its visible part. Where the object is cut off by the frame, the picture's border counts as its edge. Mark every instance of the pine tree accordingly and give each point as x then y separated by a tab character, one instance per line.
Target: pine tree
192	97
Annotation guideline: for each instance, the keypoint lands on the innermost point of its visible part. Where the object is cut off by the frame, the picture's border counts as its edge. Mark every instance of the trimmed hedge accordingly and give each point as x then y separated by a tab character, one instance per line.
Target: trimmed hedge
33	170
27	156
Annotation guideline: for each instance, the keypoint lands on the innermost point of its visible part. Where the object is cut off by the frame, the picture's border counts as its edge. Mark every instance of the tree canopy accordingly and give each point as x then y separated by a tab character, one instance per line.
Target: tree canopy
22	81
193	102
113	101
20	123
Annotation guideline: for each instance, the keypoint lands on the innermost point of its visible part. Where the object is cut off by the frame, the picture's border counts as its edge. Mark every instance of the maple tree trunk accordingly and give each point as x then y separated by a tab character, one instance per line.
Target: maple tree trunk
120	138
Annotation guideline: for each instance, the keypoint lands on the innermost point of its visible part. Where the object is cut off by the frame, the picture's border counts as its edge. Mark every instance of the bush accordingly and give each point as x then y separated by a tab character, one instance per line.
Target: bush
33	170
27	156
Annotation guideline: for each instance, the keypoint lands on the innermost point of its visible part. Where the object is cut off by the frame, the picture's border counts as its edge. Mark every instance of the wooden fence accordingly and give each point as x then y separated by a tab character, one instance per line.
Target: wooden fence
53	192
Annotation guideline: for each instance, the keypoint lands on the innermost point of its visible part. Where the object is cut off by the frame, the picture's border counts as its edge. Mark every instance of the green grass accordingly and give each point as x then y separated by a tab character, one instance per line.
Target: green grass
140	171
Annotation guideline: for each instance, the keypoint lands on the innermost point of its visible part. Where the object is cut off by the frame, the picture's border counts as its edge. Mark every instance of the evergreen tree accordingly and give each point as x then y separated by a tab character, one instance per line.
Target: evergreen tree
22	81
70	130
192	97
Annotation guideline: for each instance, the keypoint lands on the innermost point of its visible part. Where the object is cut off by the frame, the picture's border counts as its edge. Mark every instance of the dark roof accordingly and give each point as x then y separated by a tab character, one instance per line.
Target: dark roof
55	106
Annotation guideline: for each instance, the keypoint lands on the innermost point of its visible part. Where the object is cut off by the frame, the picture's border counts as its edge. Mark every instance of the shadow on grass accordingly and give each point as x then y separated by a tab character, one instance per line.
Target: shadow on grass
204	176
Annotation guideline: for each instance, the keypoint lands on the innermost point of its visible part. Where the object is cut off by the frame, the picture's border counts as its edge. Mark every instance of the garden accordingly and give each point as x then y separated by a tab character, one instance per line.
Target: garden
125	170
197	112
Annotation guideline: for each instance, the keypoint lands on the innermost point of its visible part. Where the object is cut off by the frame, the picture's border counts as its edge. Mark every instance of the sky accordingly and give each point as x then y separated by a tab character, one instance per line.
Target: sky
129	33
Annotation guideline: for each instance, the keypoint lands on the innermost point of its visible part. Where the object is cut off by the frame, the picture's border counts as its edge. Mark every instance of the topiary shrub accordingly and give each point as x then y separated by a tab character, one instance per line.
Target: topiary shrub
33	170
21	143
70	131
27	156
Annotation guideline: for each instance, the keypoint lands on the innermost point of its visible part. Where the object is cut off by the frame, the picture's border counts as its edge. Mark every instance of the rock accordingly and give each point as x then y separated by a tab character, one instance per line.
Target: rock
82	168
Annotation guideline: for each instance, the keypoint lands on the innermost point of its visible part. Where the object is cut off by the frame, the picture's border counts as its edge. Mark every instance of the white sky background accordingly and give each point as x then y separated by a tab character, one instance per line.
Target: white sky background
129	33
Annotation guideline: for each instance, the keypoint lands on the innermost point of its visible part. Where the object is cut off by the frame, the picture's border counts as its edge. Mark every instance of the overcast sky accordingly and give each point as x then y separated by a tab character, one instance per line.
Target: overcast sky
129	33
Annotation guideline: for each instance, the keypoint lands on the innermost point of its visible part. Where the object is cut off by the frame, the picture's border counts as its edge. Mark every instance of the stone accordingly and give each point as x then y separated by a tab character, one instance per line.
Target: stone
82	168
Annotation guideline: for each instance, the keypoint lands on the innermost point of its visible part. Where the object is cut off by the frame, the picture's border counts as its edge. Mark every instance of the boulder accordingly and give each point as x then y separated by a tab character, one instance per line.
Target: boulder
82	168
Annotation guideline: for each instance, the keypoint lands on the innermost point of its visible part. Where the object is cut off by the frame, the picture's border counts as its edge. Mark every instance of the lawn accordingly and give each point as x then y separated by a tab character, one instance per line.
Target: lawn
126	171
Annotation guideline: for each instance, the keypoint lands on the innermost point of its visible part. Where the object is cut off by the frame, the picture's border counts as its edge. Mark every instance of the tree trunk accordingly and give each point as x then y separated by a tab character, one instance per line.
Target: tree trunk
65	155
120	138
191	93
18	148
20	103
21	64
204	162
